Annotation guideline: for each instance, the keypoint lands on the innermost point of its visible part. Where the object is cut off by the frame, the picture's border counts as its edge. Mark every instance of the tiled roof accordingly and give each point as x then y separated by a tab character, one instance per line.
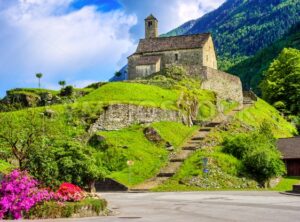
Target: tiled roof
148	60
161	44
290	147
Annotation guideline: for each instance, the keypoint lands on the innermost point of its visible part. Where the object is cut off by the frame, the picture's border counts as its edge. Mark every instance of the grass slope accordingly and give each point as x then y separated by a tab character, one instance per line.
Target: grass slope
263	112
286	184
148	157
134	93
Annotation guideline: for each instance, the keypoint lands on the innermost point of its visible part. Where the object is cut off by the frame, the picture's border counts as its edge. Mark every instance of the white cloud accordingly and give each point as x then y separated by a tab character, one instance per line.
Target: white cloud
170	13
80	45
36	38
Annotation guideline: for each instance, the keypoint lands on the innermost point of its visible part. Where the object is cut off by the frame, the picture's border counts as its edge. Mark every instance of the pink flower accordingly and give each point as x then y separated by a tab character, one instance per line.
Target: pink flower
19	193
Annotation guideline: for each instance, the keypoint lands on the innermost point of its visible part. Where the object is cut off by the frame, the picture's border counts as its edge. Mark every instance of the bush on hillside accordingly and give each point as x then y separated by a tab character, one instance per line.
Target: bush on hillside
258	153
67	91
65	161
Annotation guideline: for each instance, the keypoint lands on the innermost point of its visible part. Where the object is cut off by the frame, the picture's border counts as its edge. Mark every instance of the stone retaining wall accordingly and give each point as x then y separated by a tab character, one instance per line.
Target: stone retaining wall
227	87
120	116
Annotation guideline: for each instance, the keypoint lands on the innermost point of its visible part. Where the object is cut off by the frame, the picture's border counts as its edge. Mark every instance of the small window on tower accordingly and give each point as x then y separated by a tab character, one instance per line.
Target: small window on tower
176	57
149	24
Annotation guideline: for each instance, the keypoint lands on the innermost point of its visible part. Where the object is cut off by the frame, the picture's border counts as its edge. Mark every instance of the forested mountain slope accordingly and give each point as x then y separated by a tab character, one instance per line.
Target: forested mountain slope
242	27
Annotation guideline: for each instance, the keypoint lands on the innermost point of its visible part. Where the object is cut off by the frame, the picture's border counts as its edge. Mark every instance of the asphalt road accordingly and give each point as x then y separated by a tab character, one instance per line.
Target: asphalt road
200	206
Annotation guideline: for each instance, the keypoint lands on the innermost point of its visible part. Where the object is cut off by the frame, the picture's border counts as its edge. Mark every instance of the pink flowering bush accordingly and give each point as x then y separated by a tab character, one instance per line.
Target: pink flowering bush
69	192
19	192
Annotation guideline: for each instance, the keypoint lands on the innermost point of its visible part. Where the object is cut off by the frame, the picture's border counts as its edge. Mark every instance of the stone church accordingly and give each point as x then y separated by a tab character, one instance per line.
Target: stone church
196	53
155	53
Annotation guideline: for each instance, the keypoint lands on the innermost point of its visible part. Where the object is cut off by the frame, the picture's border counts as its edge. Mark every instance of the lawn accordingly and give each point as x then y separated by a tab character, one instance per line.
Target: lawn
174	133
264	112
286	184
134	93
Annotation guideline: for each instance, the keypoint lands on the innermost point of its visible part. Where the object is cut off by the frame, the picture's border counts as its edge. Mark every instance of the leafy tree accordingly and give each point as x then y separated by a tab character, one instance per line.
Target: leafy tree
281	85
21	134
62	83
39	76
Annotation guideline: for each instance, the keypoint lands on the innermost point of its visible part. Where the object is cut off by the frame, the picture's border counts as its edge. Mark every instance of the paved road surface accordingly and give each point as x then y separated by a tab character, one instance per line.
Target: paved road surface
201	207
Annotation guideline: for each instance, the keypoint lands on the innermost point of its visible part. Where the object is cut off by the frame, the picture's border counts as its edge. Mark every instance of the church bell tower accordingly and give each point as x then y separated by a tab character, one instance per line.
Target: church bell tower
151	27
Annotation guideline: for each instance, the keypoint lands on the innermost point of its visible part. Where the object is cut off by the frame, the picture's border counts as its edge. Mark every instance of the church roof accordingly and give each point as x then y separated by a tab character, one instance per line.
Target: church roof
151	17
148	60
290	147
161	44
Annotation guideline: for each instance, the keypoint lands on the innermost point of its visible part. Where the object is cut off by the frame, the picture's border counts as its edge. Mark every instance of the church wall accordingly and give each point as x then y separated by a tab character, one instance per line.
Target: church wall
209	54
190	59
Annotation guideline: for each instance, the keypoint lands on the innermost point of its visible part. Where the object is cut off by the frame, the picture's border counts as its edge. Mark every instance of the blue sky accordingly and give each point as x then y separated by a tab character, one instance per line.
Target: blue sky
80	41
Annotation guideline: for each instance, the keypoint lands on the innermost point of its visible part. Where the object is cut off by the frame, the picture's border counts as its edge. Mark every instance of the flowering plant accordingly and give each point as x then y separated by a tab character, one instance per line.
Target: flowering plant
19	192
69	192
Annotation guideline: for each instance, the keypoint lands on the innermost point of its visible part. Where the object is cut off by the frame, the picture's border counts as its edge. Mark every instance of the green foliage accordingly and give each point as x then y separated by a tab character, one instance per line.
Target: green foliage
5	167
62	83
251	70
52	210
67	91
282	81
65	161
258	153
20	134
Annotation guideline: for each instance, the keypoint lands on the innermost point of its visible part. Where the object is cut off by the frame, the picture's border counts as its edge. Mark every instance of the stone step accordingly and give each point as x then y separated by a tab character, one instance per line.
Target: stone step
170	170
149	184
213	124
205	129
198	138
182	155
192	148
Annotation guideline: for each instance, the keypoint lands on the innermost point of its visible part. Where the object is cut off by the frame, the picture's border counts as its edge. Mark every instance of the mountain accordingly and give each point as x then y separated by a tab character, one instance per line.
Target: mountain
242	27
251	70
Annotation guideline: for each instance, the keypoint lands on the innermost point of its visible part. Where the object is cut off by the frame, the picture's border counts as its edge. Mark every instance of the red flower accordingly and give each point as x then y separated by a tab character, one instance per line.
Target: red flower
69	192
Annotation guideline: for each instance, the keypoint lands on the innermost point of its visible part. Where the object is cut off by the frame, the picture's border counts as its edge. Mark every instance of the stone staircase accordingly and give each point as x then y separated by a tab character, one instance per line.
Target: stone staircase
175	162
192	144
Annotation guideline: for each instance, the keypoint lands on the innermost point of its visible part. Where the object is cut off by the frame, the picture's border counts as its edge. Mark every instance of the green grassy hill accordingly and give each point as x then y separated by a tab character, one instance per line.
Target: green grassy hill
70	123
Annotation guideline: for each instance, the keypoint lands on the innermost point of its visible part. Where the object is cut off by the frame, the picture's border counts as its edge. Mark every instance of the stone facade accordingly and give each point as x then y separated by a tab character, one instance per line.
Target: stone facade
227	87
120	116
190	51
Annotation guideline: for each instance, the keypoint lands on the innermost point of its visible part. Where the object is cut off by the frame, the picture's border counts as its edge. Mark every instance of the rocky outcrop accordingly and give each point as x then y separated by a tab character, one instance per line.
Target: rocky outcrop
120	116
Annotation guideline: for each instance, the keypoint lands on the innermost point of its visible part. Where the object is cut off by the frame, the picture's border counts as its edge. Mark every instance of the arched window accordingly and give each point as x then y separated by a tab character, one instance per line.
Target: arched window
176	57
149	24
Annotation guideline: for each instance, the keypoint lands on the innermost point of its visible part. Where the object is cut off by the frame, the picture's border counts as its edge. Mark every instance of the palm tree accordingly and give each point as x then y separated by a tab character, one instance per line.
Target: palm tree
62	83
39	76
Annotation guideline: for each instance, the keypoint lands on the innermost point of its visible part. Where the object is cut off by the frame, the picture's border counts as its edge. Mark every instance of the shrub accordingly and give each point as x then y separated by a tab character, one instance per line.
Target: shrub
69	192
19	193
67	91
258	153
52	209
